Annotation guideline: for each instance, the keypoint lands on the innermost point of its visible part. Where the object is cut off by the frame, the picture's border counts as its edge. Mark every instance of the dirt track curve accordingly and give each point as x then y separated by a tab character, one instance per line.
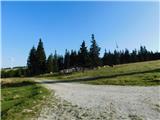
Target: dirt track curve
76	101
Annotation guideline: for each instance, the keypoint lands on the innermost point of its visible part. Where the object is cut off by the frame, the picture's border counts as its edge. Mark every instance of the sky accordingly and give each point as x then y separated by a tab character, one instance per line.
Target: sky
64	25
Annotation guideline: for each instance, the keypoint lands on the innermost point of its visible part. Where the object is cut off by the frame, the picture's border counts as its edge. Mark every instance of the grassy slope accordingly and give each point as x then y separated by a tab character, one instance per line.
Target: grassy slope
21	99
141	73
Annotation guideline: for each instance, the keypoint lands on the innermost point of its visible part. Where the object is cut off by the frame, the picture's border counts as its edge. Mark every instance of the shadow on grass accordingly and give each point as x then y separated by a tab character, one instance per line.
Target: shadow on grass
98	77
18	84
155	81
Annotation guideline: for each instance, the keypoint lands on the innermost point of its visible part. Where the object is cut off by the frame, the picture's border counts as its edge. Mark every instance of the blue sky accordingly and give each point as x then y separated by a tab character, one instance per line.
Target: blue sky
64	25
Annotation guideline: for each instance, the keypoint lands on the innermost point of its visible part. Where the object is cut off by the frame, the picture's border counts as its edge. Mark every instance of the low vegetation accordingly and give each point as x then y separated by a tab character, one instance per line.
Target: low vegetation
21	99
141	73
14	72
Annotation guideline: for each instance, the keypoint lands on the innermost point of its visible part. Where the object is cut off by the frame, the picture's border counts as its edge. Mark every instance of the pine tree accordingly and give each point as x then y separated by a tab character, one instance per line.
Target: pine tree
134	57
116	57
156	55
32	62
104	58
73	58
145	52
50	63
41	58
83	56
55	62
110	59
94	53
67	59
142	53
60	63
126	56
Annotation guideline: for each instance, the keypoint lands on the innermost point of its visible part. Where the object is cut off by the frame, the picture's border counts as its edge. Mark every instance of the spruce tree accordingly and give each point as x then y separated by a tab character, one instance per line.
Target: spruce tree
83	56
60	63
67	59
126	56
73	58
32	62
55	62
134	57
104	58
122	58
94	53
110	58
116	57
142	53
50	63
41	58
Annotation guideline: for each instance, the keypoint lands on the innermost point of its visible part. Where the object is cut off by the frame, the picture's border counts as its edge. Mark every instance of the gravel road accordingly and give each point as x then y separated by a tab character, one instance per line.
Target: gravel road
76	101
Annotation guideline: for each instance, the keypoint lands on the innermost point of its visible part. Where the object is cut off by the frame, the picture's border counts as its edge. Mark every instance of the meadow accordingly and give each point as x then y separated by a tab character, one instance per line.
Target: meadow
140	73
21	98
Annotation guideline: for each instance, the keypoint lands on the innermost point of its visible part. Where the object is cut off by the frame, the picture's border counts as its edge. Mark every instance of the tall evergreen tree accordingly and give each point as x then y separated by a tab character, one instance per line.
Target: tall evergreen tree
116	57
60	63
142	53
67	59
104	58
73	58
41	58
121	56
110	59
55	62
83	56
94	53
50	63
32	62
126	56
134	57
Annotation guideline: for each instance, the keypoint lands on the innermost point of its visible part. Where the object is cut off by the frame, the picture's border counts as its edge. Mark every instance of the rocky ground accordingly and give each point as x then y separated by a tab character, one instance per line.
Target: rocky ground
73	101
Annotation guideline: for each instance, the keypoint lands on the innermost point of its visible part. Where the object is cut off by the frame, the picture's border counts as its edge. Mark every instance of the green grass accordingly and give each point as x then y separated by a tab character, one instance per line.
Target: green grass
140	73
21	99
145	79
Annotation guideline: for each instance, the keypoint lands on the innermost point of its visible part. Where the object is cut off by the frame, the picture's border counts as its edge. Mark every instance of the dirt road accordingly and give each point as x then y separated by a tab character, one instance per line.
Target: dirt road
104	102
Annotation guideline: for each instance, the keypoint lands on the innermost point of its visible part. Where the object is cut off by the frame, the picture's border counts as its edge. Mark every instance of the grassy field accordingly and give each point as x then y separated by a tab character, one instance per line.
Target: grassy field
141	73
21	99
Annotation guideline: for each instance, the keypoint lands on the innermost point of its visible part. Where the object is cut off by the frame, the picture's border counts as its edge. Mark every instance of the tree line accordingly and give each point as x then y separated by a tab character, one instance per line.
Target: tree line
84	58
124	56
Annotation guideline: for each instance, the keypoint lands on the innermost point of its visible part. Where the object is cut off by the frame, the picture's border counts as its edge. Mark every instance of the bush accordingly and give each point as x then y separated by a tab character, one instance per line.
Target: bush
13	73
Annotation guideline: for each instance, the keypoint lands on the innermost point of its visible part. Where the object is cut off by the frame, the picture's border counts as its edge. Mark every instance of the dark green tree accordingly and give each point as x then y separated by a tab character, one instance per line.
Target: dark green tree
94	53
143	53
110	59
60	63
32	62
67	59
126	56
50	63
73	58
104	58
134	57
41	58
83	56
55	62
116	57
107	58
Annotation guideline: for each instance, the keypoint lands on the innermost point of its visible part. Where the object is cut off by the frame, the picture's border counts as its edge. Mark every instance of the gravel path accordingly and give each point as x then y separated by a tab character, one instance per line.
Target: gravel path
104	102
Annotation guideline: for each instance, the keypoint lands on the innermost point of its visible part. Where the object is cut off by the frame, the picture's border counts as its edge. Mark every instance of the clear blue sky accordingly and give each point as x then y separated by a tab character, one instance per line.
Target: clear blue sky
64	25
